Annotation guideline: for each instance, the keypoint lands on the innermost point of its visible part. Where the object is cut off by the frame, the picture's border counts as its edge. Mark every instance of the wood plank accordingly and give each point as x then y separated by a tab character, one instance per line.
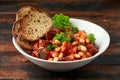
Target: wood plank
108	22
61	5
87	72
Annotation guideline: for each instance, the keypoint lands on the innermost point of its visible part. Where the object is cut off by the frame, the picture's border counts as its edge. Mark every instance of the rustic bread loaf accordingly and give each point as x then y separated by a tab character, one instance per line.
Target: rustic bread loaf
35	25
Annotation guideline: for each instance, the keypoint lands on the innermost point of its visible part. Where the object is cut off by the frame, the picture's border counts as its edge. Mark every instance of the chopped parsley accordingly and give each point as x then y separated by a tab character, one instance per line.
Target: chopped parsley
61	37
51	46
74	29
91	37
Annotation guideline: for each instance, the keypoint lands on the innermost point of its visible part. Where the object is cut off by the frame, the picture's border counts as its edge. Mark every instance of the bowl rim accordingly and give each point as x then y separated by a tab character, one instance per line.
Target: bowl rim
47	61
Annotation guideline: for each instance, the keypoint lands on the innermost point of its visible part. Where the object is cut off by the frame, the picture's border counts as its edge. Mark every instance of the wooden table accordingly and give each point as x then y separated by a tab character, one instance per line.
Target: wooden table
106	13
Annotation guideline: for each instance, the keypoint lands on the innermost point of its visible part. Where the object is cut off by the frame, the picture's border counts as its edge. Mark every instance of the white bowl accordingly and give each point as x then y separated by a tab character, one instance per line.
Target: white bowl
102	41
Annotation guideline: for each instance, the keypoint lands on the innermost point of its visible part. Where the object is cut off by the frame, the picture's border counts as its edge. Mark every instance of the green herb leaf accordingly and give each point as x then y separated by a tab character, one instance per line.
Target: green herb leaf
51	46
91	37
61	37
54	46
74	29
68	39
61	21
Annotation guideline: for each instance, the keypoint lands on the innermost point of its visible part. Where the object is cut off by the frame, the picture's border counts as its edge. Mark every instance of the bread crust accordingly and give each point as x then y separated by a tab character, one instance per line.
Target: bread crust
28	45
15	28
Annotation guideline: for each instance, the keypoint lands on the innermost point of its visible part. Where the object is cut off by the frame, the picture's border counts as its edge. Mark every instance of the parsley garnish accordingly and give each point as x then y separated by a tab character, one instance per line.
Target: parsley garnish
61	37
61	21
91	37
74	29
51	46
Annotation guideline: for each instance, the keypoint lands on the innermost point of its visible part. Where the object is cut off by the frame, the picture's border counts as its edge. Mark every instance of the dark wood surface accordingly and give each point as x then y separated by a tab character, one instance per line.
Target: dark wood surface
106	13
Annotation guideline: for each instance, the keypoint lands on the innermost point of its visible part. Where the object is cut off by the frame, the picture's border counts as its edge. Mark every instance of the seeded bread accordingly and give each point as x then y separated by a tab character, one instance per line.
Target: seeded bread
35	25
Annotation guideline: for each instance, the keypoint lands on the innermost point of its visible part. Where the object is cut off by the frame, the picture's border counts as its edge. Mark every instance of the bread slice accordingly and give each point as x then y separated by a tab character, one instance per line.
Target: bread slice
15	28
30	25
23	11
35	25
28	45
19	15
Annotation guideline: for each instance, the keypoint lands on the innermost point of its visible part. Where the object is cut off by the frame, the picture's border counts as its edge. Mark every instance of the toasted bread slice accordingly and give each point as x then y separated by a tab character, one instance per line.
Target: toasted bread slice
15	28
23	11
19	15
30	25
28	45
35	25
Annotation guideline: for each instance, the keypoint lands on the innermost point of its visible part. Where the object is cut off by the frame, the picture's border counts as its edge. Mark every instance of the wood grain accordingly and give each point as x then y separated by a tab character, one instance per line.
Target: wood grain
106	13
